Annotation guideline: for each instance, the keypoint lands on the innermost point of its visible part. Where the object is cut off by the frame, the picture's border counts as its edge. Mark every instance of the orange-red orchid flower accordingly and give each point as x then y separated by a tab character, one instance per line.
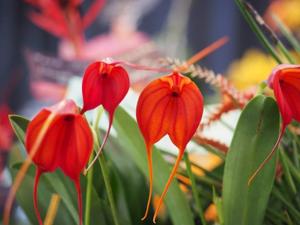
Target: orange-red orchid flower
104	84
66	144
285	81
171	105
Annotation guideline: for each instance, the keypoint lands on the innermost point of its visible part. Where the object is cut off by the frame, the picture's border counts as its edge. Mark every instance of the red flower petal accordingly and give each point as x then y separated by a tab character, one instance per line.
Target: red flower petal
67	143
285	81
171	105
6	131
105	84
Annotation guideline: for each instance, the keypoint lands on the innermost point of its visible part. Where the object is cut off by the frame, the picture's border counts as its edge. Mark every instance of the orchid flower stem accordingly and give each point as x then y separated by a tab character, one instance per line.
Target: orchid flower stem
104	170
286	53
255	28
88	202
109	192
194	188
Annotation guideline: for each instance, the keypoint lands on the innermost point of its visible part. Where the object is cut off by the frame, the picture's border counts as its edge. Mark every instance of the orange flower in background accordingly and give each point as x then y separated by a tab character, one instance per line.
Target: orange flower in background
288	12
285	81
67	144
104	84
171	105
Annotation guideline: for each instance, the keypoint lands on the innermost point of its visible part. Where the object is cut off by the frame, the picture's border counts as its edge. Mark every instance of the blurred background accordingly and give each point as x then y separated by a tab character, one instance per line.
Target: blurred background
44	43
177	28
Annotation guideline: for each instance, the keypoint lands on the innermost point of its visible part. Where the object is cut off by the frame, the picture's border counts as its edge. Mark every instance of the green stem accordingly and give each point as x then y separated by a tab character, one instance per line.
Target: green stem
286	53
104	171
255	28
194	188
108	188
88	202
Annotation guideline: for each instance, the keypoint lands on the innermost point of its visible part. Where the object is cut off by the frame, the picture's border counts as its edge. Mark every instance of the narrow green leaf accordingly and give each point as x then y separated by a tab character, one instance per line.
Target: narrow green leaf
257	30
287	172
254	137
287	33
218	202
133	144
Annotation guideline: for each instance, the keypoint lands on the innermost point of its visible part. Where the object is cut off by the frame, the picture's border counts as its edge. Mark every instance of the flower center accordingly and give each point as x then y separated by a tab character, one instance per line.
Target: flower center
64	3
68	118
175	91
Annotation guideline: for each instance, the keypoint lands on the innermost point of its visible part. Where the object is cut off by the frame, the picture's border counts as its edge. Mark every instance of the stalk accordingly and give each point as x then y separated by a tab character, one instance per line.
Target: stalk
194	188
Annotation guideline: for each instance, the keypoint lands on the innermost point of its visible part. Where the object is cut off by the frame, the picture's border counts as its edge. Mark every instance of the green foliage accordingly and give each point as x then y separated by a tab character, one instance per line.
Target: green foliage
254	137
133	145
127	163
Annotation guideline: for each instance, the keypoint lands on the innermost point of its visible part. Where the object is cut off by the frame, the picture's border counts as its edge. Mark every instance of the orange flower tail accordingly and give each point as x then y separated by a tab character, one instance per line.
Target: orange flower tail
79	198
207	50
267	159
102	145
149	155
35	188
173	173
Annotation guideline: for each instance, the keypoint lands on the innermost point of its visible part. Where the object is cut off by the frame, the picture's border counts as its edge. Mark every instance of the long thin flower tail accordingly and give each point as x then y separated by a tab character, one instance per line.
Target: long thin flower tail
173	173
35	193
149	155
103	143
198	56
267	159
79	198
204	52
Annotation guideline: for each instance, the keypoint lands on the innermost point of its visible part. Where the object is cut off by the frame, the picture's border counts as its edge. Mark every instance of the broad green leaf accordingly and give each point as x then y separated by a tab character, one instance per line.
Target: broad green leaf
132	143
131	178
254	137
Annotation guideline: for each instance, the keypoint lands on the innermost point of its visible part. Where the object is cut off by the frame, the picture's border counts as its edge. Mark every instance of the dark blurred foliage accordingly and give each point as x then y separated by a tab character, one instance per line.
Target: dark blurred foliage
209	20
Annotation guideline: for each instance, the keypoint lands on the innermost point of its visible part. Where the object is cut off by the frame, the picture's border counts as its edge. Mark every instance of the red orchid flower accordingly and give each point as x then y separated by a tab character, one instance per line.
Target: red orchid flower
171	105
6	137
62	17
104	84
108	83
285	81
66	144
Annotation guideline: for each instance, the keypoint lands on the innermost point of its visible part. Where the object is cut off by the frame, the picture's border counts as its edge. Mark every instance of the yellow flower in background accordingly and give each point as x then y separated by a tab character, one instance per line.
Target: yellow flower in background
287	10
253	68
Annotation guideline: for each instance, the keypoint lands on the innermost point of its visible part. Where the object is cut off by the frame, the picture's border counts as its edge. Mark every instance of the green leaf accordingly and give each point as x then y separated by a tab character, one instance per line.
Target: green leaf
254	137
218	202
258	31
19	124
132	143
